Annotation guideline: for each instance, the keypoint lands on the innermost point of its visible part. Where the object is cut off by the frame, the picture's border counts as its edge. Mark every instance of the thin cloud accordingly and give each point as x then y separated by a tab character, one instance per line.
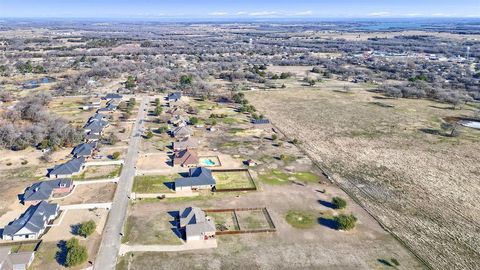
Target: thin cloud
218	13
263	13
303	13
414	14
379	14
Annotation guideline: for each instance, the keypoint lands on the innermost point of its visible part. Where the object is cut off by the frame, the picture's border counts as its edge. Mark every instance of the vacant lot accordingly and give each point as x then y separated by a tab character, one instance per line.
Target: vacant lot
154	183
423	187
99	172
90	193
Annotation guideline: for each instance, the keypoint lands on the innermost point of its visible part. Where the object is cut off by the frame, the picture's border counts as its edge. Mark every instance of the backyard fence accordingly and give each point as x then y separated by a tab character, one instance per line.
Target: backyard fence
250	178
234	211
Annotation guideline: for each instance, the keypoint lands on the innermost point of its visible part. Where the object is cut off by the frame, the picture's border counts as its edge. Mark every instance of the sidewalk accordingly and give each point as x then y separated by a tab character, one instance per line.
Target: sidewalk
193	245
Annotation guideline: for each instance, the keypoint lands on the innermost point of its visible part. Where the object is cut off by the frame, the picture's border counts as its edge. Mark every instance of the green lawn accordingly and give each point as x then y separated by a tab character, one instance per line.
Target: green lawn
153	230
300	219
154	183
226	180
278	177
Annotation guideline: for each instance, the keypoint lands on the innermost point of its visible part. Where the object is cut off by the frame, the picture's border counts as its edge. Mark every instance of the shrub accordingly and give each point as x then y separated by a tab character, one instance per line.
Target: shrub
274	137
345	222
395	261
149	134
193	120
76	253
162	129
87	228
339	203
116	155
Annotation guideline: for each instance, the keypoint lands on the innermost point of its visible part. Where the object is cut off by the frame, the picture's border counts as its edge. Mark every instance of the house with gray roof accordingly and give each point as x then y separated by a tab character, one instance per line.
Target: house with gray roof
32	223
98	117
185	143
174	96
15	261
199	178
181	132
111	96
68	169
84	150
92	137
196	224
44	190
95	127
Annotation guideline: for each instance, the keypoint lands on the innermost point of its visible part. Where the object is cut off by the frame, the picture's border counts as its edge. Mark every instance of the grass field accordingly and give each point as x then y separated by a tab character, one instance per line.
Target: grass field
422	186
278	177
99	172
300	219
154	184
234	179
154	230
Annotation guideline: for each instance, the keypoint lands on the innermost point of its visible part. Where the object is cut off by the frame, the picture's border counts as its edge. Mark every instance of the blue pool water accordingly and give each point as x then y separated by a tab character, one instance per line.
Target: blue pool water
208	162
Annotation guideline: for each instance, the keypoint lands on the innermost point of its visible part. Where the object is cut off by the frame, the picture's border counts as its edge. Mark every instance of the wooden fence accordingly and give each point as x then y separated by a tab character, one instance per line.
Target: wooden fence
250	178
264	210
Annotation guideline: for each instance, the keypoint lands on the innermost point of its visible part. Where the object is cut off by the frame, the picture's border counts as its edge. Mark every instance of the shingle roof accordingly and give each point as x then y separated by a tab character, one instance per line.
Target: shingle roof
198	177
174	96
72	166
34	219
260	121
186	157
113	95
95	125
84	149
43	190
181	131
195	222
186	143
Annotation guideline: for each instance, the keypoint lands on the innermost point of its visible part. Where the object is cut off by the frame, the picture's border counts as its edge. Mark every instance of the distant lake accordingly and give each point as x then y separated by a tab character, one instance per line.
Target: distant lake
36	83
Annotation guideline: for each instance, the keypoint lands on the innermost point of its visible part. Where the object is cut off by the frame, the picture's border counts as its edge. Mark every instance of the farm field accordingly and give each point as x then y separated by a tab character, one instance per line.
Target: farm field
422	186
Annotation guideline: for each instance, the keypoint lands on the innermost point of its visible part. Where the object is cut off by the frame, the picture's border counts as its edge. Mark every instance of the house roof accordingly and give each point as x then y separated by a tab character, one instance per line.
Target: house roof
112	96
186	143
84	149
186	157
33	220
95	125
42	190
97	117
181	131
174	96
198	177
92	136
72	166
260	121
195	221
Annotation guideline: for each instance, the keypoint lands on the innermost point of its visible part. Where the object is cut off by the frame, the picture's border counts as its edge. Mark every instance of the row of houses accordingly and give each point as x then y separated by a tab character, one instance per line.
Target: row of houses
34	221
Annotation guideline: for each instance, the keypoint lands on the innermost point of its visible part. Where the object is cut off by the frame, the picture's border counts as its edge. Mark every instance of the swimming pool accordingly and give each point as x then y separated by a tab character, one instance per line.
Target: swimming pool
208	162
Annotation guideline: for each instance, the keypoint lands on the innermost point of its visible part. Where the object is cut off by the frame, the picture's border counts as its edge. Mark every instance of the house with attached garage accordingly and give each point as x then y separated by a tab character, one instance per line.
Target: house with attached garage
15	261
68	169
181	132
186	143
196	224
44	190
95	127
199	178
186	158
32	223
84	150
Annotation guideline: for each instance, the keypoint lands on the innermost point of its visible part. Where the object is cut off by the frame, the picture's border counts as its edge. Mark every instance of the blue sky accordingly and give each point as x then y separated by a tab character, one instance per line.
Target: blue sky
239	9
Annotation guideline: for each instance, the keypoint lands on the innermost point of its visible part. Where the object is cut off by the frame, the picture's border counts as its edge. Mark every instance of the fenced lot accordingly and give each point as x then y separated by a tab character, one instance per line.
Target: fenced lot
234	180
241	220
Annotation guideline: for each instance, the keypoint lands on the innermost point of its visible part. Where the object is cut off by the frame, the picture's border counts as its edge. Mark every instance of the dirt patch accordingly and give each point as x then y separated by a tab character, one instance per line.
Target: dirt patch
89	193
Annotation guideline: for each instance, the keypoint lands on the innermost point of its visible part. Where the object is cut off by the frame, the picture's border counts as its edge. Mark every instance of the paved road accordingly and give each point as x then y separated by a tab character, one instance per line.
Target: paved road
111	240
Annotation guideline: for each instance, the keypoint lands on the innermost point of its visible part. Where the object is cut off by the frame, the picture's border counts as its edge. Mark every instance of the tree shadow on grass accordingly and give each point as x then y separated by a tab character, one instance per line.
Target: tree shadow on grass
75	228
327	204
61	255
385	262
327	222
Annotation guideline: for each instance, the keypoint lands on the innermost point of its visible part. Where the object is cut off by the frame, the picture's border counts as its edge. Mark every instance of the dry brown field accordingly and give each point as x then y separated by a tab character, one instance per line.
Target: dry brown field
422	187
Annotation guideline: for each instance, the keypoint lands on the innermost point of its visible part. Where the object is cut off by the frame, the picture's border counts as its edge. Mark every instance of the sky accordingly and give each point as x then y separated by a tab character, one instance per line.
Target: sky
223	9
